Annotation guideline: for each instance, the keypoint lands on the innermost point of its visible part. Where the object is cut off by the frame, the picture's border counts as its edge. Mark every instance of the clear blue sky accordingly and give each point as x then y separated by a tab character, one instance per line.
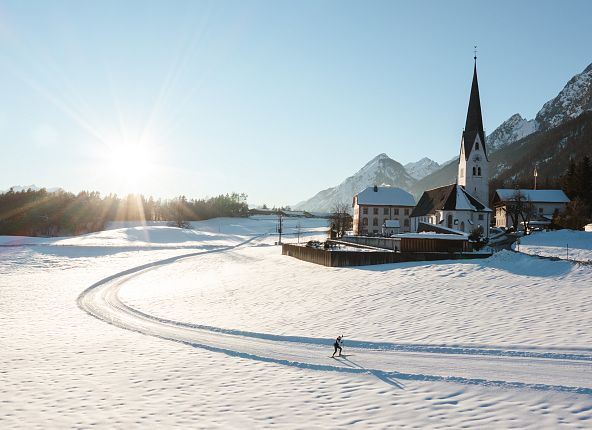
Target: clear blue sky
277	99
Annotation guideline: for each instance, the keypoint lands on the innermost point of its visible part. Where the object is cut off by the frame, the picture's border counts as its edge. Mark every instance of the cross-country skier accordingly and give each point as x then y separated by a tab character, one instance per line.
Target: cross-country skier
337	345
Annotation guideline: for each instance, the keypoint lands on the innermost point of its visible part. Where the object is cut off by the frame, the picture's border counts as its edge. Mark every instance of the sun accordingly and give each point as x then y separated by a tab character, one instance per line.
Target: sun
130	165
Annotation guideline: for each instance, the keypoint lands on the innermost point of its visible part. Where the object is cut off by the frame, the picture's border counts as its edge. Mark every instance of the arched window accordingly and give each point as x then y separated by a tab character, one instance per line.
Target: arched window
449	221
364	221
477	146
478	171
462	226
474	171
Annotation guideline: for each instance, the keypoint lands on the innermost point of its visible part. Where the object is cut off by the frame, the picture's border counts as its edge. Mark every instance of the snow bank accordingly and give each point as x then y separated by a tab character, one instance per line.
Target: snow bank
563	244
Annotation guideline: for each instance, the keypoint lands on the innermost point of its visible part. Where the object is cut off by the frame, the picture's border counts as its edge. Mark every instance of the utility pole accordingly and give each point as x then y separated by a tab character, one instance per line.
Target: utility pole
279	227
535	176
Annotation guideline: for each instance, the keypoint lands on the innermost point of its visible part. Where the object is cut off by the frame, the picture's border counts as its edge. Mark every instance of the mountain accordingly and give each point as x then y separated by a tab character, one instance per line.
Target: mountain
381	170
421	168
574	99
445	175
511	130
18	188
549	151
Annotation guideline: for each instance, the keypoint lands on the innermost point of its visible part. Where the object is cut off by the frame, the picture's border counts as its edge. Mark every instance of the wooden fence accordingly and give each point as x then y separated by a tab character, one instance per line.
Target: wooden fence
336	258
412	244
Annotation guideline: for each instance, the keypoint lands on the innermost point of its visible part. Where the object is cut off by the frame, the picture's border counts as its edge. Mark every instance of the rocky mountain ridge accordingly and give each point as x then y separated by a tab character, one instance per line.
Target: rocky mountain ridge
421	168
381	170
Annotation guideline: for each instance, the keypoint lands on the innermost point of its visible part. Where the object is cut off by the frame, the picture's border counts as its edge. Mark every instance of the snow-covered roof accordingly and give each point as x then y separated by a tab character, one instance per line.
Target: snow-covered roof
462	201
538	196
392	223
295	213
432	236
424	227
385	196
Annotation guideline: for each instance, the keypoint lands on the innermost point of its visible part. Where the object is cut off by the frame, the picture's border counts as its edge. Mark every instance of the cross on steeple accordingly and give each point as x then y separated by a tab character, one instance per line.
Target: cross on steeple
475	51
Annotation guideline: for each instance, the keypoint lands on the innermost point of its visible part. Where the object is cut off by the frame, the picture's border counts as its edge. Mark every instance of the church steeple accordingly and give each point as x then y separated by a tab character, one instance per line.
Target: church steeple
473	169
474	122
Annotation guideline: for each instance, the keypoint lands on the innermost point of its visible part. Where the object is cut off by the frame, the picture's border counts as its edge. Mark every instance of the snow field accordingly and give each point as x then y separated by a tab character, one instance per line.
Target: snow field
60	367
562	244
506	300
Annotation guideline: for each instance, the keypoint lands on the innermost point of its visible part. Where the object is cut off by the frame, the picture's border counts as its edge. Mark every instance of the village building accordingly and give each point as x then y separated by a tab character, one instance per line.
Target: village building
451	207
376	205
462	206
390	227
535	206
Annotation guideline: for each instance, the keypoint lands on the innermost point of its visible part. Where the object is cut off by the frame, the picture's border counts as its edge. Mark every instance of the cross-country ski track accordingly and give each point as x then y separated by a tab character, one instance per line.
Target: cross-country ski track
553	369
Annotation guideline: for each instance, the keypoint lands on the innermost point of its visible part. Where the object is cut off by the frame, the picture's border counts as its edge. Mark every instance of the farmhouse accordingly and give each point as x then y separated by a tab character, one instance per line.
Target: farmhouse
376	205
536	207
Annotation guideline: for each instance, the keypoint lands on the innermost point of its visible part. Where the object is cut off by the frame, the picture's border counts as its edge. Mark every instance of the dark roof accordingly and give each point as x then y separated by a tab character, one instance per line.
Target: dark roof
432	200
474	122
445	198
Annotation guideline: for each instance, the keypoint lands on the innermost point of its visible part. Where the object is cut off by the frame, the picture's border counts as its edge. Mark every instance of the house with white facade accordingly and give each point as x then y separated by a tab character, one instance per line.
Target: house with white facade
537	206
376	205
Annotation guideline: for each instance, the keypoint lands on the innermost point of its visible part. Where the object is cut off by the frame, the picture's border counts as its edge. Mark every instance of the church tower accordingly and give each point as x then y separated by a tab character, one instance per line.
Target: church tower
473	170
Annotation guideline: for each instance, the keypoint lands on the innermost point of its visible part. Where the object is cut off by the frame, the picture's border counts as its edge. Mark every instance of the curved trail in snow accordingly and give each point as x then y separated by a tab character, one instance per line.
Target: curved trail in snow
556	369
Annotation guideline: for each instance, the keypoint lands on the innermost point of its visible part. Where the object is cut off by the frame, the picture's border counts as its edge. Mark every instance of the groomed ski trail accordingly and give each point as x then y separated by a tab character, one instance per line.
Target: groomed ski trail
523	368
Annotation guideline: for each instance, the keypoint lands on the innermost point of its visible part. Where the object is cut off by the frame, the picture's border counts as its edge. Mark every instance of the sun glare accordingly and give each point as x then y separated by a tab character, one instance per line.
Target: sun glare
130	165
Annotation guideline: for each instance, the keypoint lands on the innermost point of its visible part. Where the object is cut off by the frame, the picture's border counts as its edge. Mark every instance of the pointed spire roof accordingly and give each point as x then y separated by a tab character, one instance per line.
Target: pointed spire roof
474	123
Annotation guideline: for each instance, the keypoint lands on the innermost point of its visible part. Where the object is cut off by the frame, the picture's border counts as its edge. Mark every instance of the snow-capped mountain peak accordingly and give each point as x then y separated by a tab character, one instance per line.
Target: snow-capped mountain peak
421	168
380	170
511	130
574	99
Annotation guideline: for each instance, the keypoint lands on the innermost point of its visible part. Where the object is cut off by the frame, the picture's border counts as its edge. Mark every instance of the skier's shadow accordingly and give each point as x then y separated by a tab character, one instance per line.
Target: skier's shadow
383	376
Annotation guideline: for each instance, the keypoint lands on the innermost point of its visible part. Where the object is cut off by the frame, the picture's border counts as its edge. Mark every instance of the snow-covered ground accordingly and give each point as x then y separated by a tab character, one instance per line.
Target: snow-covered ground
225	332
563	244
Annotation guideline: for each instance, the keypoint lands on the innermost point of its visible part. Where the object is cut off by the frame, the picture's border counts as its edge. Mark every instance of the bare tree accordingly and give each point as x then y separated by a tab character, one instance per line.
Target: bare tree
180	212
519	207
340	220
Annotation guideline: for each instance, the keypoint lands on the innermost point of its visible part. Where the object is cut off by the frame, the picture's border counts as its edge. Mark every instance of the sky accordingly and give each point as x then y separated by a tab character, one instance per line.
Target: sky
275	99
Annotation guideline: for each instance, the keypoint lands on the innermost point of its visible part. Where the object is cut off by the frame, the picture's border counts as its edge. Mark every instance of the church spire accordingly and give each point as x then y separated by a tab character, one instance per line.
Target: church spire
474	123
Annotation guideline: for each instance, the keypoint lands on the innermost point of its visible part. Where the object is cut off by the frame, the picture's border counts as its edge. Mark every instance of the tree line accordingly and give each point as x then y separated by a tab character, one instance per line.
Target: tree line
41	213
577	184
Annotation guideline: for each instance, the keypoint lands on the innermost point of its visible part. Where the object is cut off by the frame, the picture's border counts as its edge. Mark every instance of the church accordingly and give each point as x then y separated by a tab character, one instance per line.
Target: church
463	206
